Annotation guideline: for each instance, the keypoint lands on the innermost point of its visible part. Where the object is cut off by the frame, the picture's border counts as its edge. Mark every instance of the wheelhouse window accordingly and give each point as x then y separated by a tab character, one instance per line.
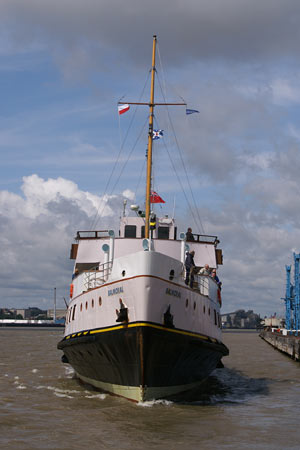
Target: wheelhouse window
163	232
143	231
130	231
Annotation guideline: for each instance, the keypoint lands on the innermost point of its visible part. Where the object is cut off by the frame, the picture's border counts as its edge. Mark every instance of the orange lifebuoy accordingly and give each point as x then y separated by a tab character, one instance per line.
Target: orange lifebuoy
219	297
71	290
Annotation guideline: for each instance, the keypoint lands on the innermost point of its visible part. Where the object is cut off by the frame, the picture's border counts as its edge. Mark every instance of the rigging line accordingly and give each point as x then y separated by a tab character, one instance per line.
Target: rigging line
94	220
125	163
140	177
181	185
179	180
164	78
182	162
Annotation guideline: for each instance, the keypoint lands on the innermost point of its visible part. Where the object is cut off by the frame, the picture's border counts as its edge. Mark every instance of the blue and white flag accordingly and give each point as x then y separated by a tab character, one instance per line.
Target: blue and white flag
191	111
157	134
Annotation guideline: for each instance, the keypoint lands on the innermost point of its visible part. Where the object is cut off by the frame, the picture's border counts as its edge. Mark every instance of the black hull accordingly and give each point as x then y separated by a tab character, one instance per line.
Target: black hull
143	355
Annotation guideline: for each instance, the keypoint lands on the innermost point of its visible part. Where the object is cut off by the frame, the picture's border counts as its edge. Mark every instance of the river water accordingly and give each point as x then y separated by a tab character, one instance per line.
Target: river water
253	403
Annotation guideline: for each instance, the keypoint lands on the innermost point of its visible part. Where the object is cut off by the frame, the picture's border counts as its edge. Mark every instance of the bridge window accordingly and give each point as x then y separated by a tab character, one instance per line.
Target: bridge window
143	231
163	232
130	231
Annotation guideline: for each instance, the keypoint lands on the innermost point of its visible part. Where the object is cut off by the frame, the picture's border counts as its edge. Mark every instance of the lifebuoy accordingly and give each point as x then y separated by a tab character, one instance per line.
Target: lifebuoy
71	290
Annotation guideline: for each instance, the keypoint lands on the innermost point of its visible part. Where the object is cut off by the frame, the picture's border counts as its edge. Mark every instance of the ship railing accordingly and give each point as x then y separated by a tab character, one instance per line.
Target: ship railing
206	286
97	275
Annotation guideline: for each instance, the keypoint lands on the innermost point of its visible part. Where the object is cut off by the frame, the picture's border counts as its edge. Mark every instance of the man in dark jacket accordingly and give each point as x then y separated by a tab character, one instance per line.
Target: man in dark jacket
189	266
189	235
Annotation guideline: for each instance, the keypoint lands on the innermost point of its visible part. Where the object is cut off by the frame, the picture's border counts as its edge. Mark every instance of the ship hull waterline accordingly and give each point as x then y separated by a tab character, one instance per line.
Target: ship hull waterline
142	361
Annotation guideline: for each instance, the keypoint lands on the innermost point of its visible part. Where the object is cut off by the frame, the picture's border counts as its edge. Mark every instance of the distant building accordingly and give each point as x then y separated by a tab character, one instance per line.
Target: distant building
241	319
60	313
273	322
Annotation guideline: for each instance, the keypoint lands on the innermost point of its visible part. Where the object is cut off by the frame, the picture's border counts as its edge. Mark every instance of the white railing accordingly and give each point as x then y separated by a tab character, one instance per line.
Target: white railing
97	276
206	286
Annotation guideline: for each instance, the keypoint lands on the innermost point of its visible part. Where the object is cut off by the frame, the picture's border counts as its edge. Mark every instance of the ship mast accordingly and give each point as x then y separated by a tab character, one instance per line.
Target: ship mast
150	136
150	141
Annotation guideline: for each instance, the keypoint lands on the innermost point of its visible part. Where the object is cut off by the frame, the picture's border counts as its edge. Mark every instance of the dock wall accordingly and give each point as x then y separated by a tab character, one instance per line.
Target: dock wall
290	345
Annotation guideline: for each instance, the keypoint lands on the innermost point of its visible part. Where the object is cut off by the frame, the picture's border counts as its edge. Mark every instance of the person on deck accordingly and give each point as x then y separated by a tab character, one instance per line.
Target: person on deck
205	270
189	235
216	278
189	266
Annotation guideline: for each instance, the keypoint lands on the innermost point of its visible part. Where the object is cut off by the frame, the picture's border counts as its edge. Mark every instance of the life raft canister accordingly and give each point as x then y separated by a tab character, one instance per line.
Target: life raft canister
219	297
71	290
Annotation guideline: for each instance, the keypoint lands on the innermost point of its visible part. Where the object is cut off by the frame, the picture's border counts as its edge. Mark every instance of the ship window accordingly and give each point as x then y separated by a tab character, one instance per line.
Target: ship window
123	273
80	307
194	305
143	231
171	276
130	231
175	233
209	311
100	301
163	233
203	309
92	303
215	312
86	305
187	302
73	315
70	314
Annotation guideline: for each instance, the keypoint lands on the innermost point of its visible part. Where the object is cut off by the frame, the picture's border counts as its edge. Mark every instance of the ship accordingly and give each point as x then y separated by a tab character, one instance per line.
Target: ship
136	326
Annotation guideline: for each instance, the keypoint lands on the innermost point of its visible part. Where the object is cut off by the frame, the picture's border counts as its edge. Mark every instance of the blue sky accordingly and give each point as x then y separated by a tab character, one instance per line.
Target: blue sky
63	67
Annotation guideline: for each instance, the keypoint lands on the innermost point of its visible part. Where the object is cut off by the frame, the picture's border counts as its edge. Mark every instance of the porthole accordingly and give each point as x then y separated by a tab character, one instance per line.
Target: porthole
187	303
171	276
100	301
123	273
203	309
194	305
92	303
209	311
80	307
86	305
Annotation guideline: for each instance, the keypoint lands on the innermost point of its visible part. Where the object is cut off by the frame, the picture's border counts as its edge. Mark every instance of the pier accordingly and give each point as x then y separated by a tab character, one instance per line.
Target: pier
287	339
288	344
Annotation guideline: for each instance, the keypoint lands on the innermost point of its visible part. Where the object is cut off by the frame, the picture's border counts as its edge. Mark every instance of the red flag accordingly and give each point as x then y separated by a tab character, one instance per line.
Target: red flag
155	198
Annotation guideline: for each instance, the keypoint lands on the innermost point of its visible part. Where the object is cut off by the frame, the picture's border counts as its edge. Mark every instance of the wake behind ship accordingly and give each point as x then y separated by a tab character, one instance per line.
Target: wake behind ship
134	326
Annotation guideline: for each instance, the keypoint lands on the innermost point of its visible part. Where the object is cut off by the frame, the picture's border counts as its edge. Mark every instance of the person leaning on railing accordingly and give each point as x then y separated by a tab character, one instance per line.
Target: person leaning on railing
216	278
205	270
189	235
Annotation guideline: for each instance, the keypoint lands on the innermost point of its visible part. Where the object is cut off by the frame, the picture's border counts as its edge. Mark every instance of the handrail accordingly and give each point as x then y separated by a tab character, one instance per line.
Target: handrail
97	276
92	234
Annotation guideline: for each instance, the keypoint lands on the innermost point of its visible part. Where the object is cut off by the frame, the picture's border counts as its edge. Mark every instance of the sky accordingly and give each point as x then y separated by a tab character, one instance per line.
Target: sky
65	64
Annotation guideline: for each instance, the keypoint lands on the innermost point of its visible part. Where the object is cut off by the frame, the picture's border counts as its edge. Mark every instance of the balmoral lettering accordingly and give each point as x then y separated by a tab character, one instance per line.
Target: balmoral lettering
114	291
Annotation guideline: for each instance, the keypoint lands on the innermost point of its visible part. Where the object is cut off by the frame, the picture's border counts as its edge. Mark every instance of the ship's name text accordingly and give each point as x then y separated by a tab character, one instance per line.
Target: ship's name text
115	291
173	292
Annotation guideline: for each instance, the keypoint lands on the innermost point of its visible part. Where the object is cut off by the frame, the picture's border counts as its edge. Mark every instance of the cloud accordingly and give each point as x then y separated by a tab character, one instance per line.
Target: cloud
235	29
36	231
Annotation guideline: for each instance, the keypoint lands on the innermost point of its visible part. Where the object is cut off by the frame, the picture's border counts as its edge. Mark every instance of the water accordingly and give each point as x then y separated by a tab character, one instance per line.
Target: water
253	403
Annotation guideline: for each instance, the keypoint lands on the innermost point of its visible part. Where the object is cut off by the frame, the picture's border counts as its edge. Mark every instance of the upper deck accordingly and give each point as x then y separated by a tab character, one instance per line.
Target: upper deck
100	246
